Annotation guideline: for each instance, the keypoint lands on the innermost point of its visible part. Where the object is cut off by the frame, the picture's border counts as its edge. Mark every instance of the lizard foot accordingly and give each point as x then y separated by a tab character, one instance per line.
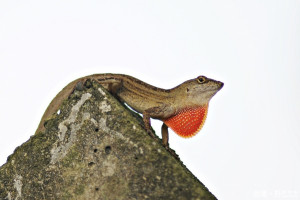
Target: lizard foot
172	152
151	133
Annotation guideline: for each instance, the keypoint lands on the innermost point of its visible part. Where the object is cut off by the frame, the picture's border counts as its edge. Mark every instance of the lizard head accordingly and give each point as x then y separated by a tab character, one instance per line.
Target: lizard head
193	98
199	91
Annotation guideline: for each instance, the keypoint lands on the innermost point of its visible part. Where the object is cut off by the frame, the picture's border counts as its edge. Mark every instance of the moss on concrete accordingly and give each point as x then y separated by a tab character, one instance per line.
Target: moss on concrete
95	148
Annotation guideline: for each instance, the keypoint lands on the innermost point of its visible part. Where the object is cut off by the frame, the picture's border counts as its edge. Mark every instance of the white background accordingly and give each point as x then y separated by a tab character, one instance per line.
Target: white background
249	147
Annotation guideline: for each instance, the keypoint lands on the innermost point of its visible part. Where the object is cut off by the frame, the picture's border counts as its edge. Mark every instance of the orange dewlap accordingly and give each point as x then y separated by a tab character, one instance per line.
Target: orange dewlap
188	122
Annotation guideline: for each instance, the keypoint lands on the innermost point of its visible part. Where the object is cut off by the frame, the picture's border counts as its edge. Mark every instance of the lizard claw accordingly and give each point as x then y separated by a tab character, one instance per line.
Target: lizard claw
172	152
151	133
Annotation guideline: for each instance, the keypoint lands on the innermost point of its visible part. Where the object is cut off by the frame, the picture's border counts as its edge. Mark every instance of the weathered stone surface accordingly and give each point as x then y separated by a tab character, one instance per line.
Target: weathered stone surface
95	148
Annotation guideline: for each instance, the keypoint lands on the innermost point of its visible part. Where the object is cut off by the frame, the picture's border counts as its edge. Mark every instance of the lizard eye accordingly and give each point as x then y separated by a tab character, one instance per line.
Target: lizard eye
201	79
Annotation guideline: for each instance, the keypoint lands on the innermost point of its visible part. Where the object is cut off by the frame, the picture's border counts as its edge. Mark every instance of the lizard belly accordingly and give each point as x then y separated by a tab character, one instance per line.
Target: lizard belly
188	122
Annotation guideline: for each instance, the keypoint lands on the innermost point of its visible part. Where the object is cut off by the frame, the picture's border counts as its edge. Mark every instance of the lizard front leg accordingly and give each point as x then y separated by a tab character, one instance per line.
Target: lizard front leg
157	111
164	129
147	123
165	135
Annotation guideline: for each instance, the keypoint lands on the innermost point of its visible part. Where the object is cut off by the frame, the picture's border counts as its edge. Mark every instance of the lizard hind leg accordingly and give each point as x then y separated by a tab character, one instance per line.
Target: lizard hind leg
111	84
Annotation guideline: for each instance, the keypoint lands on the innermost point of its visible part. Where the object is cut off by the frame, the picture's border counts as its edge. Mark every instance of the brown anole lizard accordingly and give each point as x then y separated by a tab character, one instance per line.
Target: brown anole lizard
182	108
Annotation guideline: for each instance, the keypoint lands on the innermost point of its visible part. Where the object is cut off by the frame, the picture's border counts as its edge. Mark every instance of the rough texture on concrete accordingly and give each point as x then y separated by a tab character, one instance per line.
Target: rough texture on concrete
96	148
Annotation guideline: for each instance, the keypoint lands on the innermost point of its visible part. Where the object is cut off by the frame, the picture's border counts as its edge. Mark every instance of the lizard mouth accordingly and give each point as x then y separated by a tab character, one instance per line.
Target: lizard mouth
213	86
218	85
221	84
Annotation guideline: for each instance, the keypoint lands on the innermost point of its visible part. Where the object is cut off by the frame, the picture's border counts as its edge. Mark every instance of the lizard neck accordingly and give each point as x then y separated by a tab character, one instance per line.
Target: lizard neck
189	121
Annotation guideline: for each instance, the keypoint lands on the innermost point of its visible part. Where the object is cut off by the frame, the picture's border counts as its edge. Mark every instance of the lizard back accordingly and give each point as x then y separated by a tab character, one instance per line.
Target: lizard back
137	94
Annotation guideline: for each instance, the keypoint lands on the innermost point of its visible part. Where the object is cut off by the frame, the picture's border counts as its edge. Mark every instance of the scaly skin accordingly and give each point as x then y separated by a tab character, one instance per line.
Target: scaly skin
182	108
